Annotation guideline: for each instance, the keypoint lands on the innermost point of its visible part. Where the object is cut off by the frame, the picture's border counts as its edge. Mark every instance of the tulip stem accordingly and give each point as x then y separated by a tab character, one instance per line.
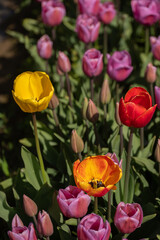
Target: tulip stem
152	93
80	156
38	148
92	88
105	43
97	138
117	92
78	221
47	238
121	139
95	205
55	118
105	112
47	66
127	171
35	220
159	168
68	89
142	138
146	40
109	206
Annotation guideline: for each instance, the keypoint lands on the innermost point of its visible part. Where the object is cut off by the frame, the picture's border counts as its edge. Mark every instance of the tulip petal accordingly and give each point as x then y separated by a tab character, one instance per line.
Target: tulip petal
134	111
144	119
136	91
123	114
143	100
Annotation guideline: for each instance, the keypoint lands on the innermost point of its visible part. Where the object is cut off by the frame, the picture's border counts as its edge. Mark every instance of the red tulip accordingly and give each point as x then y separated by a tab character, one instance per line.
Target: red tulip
136	110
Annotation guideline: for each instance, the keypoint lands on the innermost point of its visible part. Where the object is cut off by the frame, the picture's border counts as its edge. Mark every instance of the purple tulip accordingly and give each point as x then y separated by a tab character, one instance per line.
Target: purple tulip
114	159
155	46
87	28
157	96
107	12
44	47
90	7
73	202
53	12
63	62
92	227
119	65
17	222
128	217
44	224
23	233
92	62
146	11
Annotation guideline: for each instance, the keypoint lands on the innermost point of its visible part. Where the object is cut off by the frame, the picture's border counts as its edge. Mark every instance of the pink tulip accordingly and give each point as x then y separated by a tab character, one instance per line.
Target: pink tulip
150	73
107	12
90	7
44	47
146	12
23	233
119	65
92	227
92	62
53	12
157	96
44	224
16	221
87	28
63	62
128	217
114	159
73	202
155	46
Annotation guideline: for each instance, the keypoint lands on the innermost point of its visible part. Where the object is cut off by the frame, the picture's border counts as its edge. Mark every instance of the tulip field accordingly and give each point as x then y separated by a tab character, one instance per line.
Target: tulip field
85	160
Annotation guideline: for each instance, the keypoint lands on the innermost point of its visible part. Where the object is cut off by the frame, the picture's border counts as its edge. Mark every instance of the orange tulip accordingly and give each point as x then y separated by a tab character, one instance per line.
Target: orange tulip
96	175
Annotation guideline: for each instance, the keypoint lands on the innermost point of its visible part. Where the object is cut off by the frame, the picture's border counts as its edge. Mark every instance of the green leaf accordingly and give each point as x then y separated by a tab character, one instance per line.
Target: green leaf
6	212
32	168
148	150
147	163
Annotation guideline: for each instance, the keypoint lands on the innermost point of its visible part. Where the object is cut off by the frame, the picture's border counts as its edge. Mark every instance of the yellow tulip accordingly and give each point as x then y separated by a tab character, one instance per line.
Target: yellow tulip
32	91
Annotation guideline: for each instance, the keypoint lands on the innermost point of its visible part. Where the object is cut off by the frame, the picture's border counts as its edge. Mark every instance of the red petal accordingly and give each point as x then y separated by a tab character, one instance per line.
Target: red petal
137	91
134	111
145	118
142	100
123	114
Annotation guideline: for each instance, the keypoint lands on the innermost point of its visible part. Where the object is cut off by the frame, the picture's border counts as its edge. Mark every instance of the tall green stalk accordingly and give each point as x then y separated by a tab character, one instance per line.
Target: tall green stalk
38	148
95	205
127	171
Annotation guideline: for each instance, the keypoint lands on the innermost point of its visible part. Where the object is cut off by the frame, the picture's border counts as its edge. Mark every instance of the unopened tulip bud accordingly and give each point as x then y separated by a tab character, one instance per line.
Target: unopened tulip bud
84	108
105	92
117	114
54	102
44	224
59	70
76	142
92	112
157	151
30	206
44	47
151	73
63	62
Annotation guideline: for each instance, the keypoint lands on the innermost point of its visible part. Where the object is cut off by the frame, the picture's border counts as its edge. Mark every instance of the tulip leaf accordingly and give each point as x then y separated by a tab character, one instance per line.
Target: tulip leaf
147	163
6	211
71	221
148	150
32	168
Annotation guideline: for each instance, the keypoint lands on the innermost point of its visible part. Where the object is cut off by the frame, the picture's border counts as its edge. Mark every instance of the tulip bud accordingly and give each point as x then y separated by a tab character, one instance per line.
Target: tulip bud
30	206
117	114
157	151
59	70
84	108
105	92
150	73
54	102
44	224
76	142
92	112
44	47
64	63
